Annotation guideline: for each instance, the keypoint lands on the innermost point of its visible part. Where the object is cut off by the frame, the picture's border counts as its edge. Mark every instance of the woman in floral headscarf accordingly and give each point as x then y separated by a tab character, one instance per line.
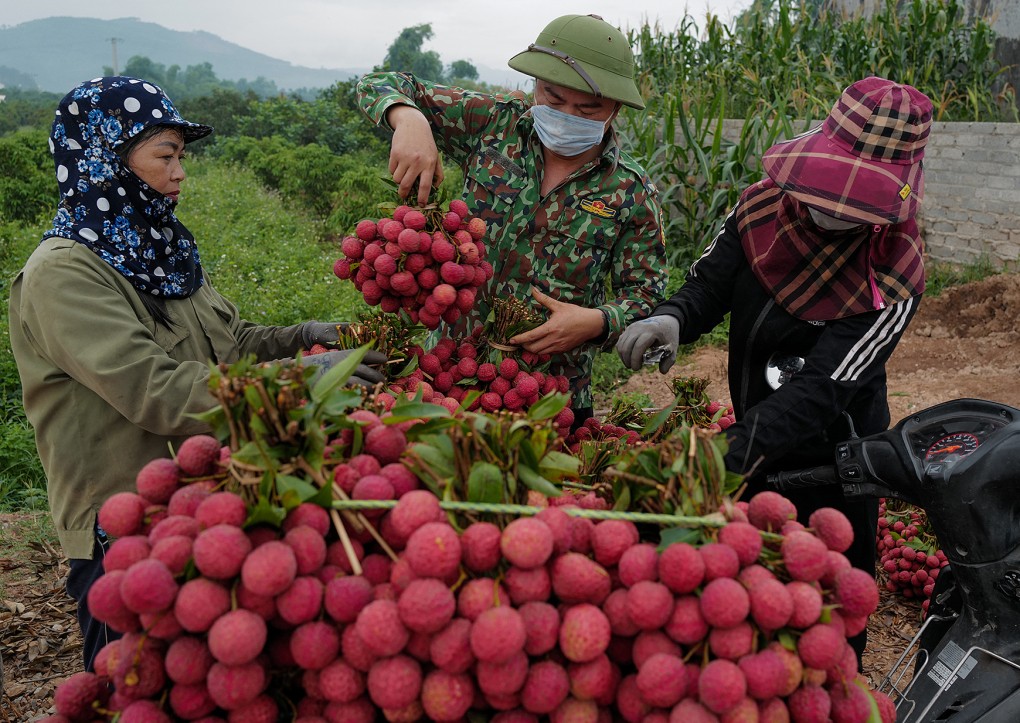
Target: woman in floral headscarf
821	260
113	321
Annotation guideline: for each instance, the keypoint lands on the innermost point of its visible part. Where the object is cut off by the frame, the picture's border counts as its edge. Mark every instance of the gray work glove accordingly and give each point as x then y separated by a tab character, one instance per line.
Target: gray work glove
656	333
363	375
321	332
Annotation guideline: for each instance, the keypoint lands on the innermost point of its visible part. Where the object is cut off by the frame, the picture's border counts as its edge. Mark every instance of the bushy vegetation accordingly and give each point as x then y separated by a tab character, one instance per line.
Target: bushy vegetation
284	177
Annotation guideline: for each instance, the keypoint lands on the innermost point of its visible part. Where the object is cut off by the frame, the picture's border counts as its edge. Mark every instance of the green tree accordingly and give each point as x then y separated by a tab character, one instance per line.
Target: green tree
462	70
406	55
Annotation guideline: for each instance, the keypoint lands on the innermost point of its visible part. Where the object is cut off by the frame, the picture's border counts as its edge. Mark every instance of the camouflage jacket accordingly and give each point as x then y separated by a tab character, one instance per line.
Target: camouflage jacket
595	240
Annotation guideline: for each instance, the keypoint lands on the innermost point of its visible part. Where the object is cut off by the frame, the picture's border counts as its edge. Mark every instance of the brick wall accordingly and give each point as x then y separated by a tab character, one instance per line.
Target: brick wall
972	192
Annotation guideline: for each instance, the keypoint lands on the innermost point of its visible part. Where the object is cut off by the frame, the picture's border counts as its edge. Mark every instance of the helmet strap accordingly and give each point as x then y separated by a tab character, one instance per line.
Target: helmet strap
596	91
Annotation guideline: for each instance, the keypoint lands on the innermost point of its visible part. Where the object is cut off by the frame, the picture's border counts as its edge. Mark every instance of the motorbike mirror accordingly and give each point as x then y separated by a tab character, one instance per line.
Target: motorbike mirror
781	367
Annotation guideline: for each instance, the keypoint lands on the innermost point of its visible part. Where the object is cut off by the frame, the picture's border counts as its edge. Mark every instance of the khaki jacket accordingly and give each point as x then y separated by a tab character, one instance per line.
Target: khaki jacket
106	388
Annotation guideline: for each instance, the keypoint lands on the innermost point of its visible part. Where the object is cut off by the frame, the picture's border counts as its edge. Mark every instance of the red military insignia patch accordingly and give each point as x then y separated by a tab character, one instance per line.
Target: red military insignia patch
598	208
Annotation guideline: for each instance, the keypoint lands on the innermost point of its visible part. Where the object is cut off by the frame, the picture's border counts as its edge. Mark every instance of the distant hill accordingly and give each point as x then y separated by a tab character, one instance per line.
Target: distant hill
58	53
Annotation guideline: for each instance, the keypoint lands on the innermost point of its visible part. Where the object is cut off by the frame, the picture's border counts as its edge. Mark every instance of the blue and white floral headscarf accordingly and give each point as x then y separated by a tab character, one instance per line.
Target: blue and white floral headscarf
103	204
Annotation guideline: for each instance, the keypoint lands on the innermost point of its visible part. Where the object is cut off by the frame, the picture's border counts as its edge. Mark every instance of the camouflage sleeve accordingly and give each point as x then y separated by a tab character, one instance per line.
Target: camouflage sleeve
640	271
457	116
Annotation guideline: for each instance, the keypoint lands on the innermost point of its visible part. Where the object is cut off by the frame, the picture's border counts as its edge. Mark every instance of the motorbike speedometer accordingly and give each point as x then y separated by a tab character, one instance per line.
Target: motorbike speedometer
952	446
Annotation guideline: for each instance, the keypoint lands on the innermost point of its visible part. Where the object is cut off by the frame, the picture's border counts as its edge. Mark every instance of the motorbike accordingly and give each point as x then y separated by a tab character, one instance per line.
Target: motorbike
960	462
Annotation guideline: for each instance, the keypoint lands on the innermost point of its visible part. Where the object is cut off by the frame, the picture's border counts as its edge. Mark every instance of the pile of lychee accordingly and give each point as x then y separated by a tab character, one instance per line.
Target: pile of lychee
909	557
427	262
554	616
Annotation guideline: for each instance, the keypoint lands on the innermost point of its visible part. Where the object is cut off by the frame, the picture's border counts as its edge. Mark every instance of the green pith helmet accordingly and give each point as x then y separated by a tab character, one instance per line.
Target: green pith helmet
585	53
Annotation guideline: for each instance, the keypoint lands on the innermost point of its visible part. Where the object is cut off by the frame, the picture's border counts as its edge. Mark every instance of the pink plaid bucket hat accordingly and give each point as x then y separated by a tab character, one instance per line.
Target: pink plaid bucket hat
863	163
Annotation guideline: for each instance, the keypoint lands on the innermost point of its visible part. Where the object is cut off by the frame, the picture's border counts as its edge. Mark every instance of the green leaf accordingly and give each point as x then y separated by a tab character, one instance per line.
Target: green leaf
557	465
485	483
658	419
406	411
339	401
672	535
441	464
264	513
339	374
286	484
324	496
622	503
534	481
216	418
548	406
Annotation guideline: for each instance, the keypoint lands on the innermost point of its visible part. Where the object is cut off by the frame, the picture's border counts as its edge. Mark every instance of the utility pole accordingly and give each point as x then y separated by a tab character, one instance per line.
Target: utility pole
113	42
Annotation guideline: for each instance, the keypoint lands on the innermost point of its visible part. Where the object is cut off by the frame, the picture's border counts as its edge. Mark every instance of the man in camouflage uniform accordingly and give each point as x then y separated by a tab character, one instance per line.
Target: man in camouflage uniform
567	210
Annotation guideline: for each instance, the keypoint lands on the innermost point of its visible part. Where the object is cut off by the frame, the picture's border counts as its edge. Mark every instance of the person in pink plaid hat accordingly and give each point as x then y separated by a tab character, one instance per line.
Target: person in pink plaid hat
820	261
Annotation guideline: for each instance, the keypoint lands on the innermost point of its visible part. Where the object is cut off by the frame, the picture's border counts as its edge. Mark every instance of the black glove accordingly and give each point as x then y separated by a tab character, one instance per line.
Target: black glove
320	332
641	336
364	375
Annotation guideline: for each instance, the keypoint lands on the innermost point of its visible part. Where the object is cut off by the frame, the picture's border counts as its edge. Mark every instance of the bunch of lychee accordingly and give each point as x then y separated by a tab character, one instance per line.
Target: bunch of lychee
909	557
596	430
454	369
726	418
428	263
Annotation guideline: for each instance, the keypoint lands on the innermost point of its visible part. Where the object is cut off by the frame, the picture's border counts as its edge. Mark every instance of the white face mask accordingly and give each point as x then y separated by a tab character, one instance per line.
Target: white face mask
831	223
565	134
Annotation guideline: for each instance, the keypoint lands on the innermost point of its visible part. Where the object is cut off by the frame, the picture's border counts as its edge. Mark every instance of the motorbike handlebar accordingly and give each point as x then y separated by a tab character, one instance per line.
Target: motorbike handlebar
811	477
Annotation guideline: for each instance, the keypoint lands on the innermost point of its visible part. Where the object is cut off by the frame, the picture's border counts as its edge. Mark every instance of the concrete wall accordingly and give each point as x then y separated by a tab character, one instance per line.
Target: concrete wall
972	192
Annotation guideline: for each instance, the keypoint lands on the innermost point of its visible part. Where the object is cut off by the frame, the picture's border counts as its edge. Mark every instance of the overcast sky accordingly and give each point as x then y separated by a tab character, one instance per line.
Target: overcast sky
356	33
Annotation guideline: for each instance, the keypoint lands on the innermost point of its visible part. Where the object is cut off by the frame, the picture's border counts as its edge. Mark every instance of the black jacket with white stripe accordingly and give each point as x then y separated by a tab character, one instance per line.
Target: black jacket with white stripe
799	424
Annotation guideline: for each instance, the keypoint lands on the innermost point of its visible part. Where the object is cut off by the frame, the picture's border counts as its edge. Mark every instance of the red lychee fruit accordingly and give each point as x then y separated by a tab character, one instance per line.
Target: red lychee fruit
545	688
833	527
497	634
315	644
74	697
807	604
577	578
662	680
724	603
527	542
804	556
394	682
122	514
232	686
381	629
771	604
126	551
433	550
768	511
638	563
542	627
237	637
221	508
148	586
681	568
820	646
649	604
198	455
744	538
856	592
220	551
809	703
199	603
158	479
721	686
446	696
584	632
269	569
480	546
450	648
426	606
345	597
386	443
188	660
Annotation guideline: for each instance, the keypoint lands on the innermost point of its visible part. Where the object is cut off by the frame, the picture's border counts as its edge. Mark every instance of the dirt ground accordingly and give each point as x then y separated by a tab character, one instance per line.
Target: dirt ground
963	343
